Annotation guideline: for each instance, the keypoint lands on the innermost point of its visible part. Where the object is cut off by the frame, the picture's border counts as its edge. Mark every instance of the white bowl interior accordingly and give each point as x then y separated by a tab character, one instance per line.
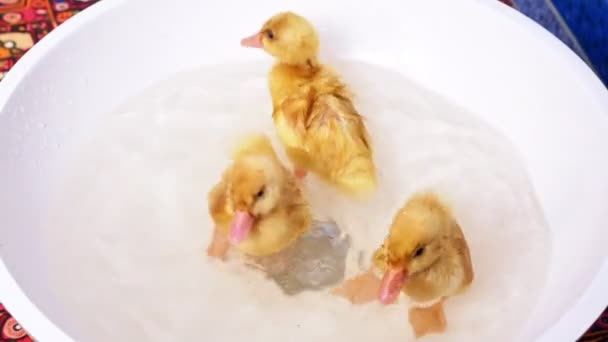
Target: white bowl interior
484	57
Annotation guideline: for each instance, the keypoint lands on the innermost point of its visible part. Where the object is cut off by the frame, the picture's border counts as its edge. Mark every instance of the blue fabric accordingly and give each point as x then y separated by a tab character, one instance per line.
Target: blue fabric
588	21
580	24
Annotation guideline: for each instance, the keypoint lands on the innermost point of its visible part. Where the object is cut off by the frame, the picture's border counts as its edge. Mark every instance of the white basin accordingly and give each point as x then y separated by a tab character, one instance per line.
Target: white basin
480	54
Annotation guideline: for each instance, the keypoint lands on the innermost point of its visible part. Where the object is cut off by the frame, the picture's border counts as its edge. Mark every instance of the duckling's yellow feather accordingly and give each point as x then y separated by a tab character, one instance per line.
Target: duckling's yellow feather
314	114
257	183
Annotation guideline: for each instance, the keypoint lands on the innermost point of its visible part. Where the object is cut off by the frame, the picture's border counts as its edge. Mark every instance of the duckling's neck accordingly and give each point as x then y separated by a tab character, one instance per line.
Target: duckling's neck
286	78
305	68
311	64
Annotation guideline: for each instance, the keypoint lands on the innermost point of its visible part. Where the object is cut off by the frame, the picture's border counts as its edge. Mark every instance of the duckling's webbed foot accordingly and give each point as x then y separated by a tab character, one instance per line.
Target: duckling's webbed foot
361	289
428	320
219	245
300	173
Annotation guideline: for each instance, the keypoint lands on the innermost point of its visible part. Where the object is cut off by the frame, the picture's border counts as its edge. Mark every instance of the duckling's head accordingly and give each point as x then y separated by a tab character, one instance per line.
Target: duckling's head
415	243
288	37
254	190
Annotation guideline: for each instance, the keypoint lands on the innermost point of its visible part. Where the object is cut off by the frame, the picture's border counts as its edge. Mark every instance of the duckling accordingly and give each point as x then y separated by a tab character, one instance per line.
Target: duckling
313	110
257	206
425	253
425	256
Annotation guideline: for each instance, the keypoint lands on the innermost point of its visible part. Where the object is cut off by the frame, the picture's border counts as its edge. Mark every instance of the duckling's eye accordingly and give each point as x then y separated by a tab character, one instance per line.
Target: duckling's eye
260	193
418	252
269	34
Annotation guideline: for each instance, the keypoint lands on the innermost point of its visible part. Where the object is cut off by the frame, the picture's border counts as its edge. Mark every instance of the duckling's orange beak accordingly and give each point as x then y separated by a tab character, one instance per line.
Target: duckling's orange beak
254	41
241	227
391	285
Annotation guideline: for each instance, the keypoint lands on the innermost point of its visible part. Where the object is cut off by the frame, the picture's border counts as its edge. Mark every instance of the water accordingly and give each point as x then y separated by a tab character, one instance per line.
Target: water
316	261
127	240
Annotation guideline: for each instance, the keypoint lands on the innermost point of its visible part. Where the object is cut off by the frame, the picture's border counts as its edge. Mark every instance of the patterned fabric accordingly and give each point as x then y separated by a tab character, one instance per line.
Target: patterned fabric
598	331
10	330
24	22
582	25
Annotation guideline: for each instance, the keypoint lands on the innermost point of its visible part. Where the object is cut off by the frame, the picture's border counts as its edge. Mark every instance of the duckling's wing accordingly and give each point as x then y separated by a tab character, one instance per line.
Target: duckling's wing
338	115
465	256
338	138
290	122
290	118
217	202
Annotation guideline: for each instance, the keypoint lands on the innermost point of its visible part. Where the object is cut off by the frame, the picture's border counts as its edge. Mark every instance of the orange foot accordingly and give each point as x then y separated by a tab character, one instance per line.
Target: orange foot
300	173
361	289
429	320
218	248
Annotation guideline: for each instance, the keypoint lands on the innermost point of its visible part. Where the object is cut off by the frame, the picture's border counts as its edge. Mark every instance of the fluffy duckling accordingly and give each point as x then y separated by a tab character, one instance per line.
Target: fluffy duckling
425	253
425	256
257	206
313	110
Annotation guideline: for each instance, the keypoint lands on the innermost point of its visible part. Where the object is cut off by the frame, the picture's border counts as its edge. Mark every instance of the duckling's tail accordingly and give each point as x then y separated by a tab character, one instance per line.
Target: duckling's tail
358	177
254	144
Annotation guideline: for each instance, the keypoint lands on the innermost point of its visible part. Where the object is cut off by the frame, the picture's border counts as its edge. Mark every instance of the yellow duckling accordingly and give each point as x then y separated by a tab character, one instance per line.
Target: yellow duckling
257	206
424	256
313	110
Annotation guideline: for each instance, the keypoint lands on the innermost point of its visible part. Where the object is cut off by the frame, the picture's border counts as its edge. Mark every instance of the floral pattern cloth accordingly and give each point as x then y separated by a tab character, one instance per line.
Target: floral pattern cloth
24	22
10	329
